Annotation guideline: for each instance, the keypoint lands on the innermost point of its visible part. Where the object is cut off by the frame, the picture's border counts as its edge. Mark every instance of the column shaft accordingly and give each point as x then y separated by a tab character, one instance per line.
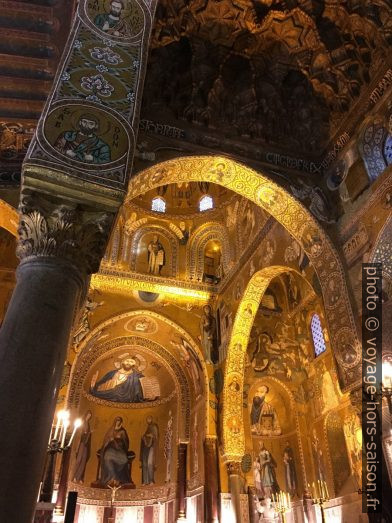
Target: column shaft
181	481
236	485
211	489
33	345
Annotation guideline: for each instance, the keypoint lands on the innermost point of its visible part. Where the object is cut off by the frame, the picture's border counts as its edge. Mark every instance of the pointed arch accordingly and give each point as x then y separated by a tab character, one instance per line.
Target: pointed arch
96	343
195	248
169	235
291	214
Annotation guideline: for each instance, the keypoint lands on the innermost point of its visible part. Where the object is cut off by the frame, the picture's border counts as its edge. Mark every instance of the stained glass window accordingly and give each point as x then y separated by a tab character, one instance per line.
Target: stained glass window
317	335
158	204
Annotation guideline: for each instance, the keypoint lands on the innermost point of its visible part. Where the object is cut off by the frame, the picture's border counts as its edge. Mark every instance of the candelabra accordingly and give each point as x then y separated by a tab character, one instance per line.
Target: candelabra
282	504
320	495
59	442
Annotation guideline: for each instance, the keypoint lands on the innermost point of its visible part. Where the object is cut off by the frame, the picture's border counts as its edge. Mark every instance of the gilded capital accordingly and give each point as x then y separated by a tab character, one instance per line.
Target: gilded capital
234	467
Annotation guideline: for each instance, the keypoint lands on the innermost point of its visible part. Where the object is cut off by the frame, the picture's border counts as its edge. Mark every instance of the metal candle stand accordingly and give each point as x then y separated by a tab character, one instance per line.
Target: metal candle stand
282	504
320	495
57	445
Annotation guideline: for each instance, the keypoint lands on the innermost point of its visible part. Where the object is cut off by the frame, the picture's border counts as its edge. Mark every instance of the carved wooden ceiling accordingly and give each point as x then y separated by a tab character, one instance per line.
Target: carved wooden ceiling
33	35
284	73
238	76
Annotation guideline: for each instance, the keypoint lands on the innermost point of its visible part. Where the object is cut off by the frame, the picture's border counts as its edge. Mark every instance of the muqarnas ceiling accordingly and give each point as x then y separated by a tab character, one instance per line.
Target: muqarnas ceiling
283	73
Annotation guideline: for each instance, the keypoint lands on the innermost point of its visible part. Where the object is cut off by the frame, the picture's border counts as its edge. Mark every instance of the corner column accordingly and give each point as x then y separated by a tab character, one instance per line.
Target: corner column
211	489
236	484
181	481
51	281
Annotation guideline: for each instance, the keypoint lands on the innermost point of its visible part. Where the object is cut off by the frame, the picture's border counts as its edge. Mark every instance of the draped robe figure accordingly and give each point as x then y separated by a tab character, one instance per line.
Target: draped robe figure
84	449
148	452
257	477
268	480
156	256
112	23
121	385
290	473
208	335
83	144
318	457
114	455
263	417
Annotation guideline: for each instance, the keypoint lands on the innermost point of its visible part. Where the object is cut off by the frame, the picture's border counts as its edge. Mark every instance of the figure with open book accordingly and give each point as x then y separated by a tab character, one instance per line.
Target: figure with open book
126	383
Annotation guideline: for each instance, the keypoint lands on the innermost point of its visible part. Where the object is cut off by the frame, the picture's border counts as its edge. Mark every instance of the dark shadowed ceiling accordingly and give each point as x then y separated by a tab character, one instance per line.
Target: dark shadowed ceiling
282	73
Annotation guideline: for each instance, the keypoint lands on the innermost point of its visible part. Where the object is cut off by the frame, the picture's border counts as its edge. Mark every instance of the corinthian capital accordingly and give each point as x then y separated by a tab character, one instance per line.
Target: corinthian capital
51	227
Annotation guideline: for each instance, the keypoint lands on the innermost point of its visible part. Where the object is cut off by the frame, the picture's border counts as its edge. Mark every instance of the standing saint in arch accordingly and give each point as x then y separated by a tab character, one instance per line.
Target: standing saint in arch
84	449
268	479
156	256
148	451
208	335
290	473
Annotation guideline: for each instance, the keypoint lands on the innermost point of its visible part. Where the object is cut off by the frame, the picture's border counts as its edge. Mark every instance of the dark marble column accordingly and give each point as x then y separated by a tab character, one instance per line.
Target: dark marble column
236	485
211	474
56	248
181	481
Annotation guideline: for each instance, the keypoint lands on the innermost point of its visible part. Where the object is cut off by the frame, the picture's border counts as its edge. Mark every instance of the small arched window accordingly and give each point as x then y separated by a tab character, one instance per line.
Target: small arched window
205	203
158	204
317	335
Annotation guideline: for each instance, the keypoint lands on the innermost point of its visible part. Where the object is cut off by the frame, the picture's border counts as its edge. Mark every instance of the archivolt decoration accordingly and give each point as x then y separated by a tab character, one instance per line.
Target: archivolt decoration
172	257
233	440
196	245
383	249
87	359
87	347
283	207
304	228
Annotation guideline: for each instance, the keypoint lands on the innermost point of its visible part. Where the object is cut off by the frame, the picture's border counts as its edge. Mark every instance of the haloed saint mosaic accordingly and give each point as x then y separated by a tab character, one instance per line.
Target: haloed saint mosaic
116	18
130	376
86	135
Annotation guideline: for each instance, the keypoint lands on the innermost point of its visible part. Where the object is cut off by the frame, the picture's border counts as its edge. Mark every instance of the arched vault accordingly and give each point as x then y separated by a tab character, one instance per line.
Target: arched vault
299	222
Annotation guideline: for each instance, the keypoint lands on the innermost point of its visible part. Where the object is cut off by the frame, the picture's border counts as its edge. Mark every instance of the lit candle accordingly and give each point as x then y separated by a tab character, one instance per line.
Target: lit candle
321	489
59	418
77	424
313	490
65	426
326	490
